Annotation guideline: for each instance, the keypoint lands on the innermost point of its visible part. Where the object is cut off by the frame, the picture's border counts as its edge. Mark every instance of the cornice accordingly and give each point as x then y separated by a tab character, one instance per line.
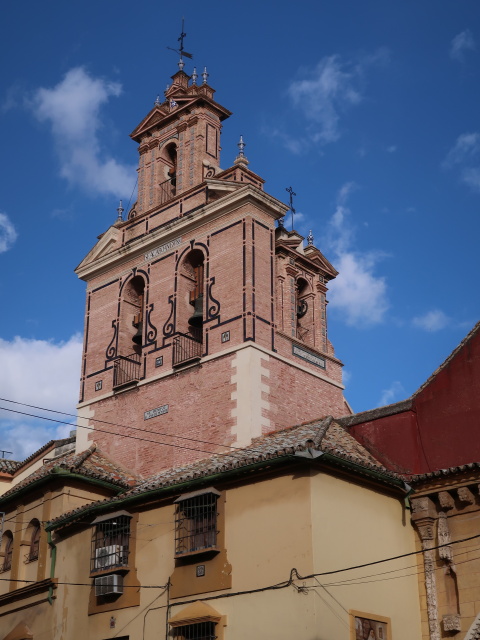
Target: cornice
186	224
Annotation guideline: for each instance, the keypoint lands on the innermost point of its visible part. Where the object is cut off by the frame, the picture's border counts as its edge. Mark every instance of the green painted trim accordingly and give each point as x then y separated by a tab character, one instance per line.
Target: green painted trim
64	474
53	562
183	487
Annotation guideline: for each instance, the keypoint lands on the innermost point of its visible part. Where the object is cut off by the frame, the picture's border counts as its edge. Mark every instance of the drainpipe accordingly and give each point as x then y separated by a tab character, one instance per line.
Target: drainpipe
53	547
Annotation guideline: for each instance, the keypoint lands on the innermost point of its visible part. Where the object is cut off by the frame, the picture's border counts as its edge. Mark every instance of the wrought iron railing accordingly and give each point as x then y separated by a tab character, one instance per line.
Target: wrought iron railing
167	190
187	347
126	369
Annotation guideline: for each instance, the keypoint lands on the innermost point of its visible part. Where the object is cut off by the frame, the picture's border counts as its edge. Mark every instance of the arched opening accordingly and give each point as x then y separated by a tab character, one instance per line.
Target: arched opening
131	332
190	308
303	320
168	186
7	550
33	534
132	317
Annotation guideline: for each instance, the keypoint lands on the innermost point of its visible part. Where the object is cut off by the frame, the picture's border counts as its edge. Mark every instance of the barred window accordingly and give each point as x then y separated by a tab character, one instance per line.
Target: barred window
110	542
33	531
196	521
7	548
198	631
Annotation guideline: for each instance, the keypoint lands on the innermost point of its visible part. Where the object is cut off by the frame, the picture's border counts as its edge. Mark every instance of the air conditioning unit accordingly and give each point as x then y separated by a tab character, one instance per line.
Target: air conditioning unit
111	556
108	585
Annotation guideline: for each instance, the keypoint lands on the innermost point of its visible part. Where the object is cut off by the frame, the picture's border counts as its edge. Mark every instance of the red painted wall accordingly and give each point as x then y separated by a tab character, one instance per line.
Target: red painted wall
441	429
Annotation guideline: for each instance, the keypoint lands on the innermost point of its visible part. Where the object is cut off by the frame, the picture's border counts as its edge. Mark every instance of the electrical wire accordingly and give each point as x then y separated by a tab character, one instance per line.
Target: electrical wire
295	575
115	424
124	435
113	433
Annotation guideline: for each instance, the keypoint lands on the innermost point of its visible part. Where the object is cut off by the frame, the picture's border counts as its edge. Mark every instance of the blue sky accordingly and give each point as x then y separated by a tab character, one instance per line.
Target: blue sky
369	110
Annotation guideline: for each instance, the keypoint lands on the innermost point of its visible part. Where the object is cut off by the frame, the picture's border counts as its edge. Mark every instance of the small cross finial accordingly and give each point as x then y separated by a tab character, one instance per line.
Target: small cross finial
241	146
205	75
157	102
181	50
194	75
120	211
292	193
310	238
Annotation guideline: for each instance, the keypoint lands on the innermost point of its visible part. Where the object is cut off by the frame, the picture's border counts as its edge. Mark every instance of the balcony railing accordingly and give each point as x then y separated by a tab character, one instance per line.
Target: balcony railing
126	369
167	190
187	347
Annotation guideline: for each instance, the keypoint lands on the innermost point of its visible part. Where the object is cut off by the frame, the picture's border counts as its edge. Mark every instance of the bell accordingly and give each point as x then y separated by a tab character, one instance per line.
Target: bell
137	338
196	320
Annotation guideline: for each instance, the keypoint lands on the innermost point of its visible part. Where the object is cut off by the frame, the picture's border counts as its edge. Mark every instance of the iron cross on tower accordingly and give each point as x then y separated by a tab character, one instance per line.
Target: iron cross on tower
292	193
180	40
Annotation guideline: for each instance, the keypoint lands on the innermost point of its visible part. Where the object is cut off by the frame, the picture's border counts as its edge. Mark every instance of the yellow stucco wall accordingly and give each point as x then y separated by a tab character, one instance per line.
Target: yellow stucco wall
310	521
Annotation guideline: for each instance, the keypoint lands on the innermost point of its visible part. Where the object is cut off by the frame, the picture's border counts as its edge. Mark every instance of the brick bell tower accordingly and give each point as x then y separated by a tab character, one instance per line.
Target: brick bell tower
205	319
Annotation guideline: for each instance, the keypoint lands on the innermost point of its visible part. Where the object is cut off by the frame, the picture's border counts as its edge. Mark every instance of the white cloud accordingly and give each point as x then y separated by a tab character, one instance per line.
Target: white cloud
434	320
72	108
357	294
328	90
466	146
40	373
462	154
8	235
393	393
461	43
471	177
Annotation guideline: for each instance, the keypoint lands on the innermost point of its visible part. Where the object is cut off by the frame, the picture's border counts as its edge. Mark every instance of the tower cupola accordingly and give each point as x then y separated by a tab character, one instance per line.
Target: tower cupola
179	141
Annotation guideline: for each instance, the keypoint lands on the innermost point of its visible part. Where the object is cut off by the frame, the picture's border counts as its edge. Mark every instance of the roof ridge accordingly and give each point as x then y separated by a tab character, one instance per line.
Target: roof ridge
448	359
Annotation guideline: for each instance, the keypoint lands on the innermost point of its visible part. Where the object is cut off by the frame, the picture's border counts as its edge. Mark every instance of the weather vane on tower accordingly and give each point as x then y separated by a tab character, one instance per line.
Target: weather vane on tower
292	193
181	51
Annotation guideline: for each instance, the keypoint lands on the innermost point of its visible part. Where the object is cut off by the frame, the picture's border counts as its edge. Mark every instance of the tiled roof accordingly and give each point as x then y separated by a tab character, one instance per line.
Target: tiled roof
9	466
441	473
374	414
90	463
51	444
322	435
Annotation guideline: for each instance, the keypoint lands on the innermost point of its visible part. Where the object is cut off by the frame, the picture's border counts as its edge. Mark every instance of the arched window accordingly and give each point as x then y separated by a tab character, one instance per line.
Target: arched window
303	322
190	309
168	185
132	317
7	550
34	530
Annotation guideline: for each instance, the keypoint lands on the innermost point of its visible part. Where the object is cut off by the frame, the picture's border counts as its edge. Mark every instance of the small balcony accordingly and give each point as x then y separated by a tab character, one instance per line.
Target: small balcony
187	347
167	190
126	369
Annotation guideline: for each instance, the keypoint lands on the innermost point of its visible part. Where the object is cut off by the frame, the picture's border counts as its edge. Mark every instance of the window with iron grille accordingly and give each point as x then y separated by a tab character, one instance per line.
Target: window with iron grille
35	531
110	542
198	631
196	522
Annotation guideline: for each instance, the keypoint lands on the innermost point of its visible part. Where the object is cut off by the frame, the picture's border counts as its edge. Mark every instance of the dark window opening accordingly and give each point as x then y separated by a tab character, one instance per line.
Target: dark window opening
188	343
7	551
32	554
168	188
110	544
196	523
302	328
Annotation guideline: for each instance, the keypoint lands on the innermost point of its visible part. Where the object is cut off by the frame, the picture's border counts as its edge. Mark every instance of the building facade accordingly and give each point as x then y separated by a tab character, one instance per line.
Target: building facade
205	317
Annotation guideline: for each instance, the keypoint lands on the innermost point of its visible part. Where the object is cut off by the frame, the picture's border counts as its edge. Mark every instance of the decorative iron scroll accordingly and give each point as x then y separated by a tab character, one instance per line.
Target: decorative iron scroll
111	351
152	330
213	308
169	326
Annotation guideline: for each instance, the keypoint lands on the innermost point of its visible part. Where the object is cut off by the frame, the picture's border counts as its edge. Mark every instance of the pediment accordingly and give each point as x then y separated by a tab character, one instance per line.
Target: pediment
156	115
110	241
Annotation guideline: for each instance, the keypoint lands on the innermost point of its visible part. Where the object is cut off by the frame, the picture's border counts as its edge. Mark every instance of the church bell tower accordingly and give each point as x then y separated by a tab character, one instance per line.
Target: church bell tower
205	319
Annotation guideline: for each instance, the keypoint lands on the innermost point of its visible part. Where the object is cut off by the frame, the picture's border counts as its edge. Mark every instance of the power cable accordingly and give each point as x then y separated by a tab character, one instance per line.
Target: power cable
31	415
